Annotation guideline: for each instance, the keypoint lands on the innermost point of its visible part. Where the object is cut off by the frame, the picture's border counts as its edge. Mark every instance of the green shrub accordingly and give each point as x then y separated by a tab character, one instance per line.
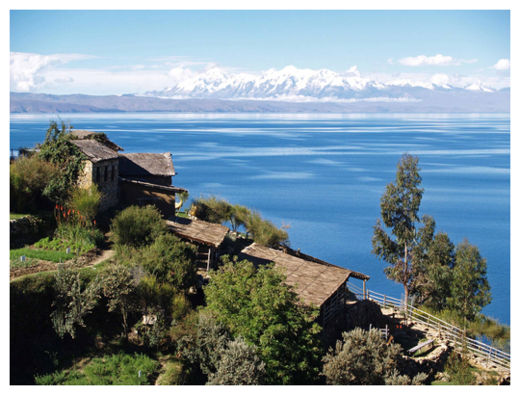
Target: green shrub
264	232
58	150
172	374
86	201
79	238
137	226
116	369
170	260
28	178
152	293
362	358
239	364
459	370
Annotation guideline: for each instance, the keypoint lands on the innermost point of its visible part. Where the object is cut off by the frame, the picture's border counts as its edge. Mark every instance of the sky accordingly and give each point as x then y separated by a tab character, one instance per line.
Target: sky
118	52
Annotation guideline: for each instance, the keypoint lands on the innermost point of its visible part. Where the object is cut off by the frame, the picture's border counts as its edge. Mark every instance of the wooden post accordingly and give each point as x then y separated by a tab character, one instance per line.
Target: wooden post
209	259
384	303
364	289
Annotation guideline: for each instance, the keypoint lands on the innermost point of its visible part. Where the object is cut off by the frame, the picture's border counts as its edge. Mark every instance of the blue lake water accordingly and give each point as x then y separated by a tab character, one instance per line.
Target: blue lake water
323	175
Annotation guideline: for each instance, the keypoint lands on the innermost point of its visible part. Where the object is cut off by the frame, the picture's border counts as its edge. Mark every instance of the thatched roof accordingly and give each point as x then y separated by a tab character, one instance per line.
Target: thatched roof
313	282
198	231
101	137
149	185
95	151
145	164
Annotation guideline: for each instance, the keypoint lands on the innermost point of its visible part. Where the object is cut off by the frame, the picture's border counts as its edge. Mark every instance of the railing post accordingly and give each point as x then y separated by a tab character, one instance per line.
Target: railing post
384	303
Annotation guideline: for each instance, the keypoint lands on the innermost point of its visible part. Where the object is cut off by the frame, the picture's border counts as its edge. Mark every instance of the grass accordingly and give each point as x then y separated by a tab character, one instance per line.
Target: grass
115	369
45	255
17	215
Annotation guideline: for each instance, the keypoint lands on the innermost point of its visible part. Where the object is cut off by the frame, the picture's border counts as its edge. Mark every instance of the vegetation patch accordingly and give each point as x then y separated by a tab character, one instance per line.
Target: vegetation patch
116	369
36	253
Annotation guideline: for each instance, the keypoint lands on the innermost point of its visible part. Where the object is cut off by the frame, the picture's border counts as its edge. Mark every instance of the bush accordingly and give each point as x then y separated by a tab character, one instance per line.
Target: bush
28	178
264	232
239	364
362	358
79	238
257	305
116	369
171	261
137	226
172	374
86	201
459	369
58	150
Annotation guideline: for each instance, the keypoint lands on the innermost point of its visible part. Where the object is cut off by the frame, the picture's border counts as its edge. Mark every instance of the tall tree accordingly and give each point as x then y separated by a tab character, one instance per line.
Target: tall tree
469	288
399	212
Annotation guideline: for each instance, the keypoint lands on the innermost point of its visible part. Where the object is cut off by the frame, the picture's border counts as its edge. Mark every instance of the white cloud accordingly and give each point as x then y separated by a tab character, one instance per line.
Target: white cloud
501	65
53	74
436	60
26	68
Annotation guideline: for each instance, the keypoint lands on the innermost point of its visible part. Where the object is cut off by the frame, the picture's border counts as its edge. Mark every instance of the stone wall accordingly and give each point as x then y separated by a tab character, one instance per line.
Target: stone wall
105	175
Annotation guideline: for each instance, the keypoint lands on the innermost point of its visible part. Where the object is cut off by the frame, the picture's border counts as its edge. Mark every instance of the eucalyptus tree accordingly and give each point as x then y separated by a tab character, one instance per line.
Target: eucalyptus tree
399	212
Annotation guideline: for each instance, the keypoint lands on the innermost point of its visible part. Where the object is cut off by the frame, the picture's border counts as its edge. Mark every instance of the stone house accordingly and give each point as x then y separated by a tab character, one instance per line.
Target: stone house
136	178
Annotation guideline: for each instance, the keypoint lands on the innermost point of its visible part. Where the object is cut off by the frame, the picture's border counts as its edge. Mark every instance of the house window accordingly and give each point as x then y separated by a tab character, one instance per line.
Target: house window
98	175
106	173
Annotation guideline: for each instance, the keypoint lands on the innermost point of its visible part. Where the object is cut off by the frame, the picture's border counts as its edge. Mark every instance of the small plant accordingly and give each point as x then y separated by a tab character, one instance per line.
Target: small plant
137	226
459	370
116	369
86	201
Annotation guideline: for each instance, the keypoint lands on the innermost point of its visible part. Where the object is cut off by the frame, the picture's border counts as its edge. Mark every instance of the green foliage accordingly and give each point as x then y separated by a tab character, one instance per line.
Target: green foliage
119	288
239	364
433	273
170	260
46	255
257	305
212	209
459	370
206	347
152	294
28	179
73	302
172	374
116	369
86	201
220	211
469	288
58	150
264	232
399	212
362	358
78	238
137	226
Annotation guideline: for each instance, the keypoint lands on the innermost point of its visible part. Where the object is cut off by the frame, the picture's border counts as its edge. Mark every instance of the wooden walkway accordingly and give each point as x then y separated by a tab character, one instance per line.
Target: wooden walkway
485	355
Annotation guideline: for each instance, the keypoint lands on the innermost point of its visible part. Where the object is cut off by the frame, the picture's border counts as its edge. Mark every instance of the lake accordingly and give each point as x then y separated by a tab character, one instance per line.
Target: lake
323	175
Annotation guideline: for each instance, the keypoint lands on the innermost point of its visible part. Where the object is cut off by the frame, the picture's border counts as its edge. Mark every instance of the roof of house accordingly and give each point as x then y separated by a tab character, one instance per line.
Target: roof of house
145	164
88	135
94	150
314	282
198	231
164	188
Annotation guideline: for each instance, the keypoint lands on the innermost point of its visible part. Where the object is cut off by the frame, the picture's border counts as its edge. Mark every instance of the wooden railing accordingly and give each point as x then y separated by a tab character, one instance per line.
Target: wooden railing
443	329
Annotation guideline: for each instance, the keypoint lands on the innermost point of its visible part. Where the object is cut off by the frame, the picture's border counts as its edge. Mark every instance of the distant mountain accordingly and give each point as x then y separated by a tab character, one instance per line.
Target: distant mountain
298	99
293	84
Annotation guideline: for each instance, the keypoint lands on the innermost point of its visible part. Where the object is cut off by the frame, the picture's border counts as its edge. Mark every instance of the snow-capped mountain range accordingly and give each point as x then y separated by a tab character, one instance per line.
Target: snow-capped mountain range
293	84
